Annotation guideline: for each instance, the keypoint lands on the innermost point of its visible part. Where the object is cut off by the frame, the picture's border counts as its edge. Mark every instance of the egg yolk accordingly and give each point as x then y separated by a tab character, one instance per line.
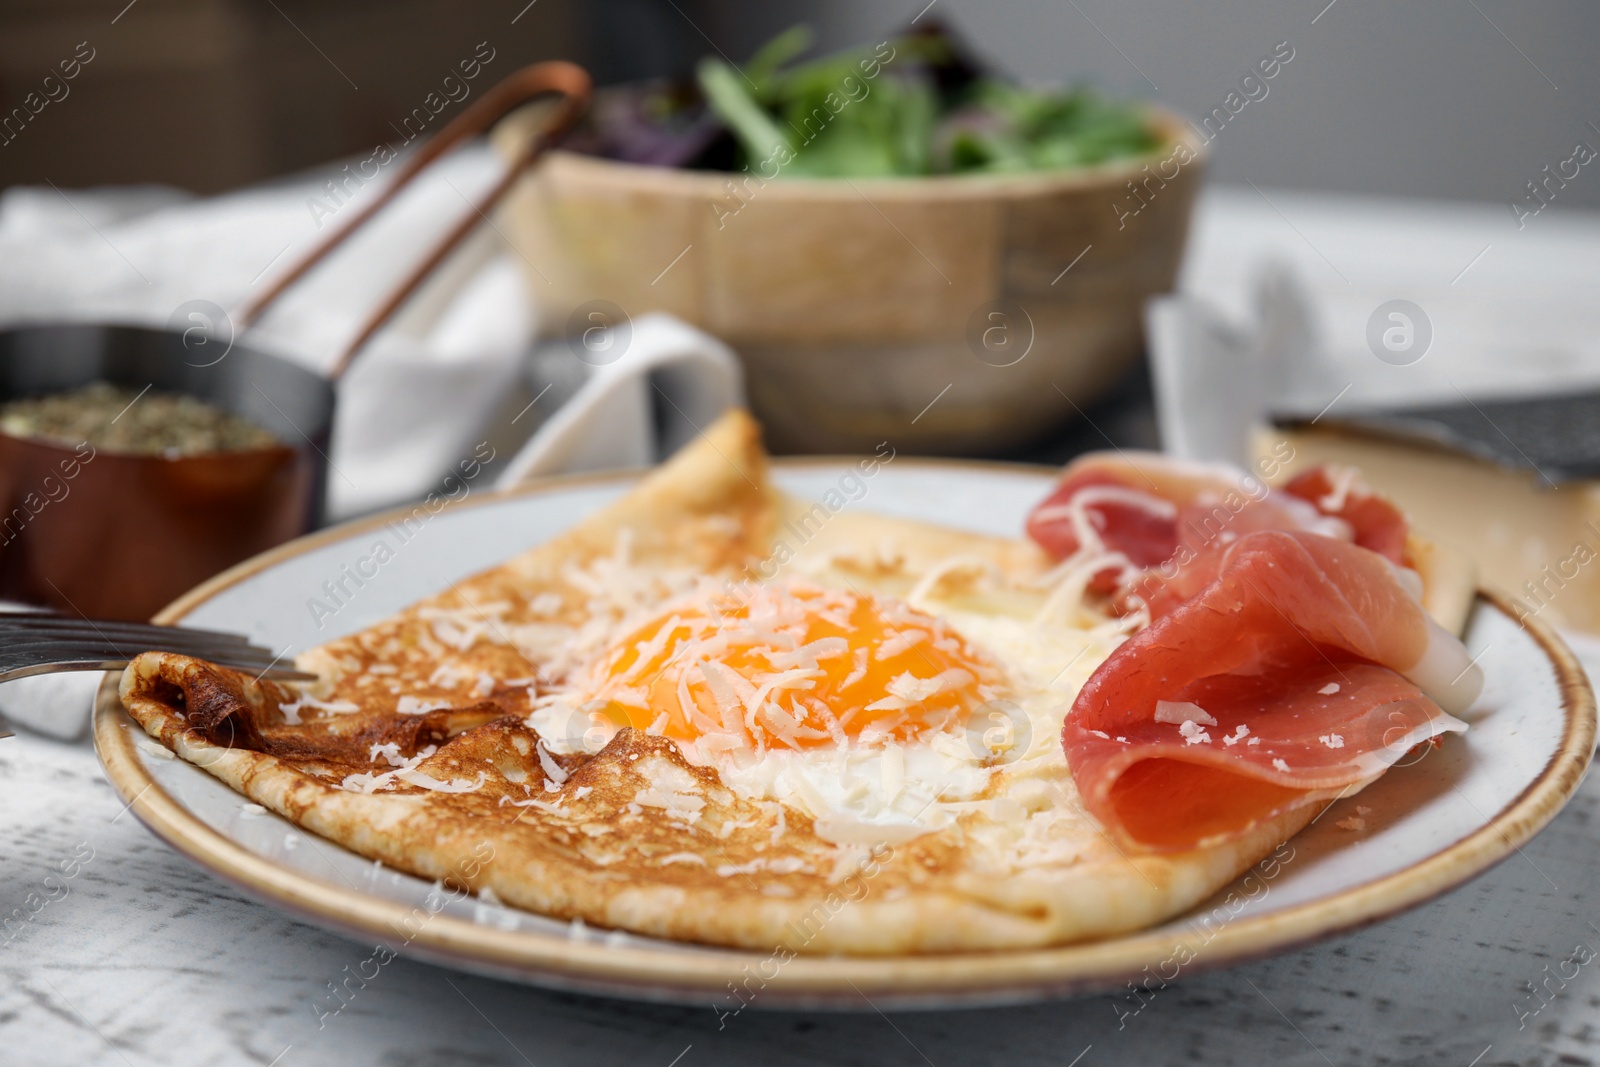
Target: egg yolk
793	665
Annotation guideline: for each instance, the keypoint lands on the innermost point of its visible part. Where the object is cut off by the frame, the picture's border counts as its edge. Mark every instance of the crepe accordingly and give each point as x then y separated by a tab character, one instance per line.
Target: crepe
637	836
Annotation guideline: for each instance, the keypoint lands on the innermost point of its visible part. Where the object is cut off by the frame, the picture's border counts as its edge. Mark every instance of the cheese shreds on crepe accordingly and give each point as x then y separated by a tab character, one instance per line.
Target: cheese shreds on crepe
711	712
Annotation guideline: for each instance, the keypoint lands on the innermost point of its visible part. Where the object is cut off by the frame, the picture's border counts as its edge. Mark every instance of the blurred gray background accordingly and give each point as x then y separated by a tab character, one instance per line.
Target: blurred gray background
1432	98
1429	98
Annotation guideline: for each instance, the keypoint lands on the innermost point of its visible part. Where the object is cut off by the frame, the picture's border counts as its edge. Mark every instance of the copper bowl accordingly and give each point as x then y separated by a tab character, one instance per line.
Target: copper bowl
119	535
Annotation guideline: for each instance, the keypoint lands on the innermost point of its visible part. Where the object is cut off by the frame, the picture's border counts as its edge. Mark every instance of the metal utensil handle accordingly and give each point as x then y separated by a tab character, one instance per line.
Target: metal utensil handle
567	80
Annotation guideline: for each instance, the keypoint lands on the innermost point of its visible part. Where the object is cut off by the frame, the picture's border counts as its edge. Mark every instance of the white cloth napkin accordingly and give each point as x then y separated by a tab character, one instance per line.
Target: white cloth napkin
421	389
655	396
1279	289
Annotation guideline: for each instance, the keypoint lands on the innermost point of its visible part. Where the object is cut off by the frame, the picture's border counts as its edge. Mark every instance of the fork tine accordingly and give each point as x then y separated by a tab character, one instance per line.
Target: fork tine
254	660
39	659
124	646
38	643
50	619
78	654
130	637
12	670
288	674
16	629
130	631
17	623
36	647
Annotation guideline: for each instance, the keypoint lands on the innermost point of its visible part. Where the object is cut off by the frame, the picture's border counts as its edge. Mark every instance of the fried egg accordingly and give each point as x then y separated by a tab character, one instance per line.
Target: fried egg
883	701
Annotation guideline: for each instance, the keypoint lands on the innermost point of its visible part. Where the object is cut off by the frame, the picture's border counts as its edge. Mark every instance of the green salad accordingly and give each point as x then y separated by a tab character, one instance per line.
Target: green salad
914	105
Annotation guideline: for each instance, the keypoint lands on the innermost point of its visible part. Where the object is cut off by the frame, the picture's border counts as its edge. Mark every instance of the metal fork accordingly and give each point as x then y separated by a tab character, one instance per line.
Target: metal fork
38	643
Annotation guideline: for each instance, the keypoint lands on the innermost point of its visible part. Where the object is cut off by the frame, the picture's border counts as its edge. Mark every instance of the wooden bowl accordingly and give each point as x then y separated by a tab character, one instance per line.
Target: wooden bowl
856	303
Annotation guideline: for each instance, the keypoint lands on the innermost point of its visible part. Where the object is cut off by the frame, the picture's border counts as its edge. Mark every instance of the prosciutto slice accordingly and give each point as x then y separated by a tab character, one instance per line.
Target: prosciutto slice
1158	527
1340	492
1303	666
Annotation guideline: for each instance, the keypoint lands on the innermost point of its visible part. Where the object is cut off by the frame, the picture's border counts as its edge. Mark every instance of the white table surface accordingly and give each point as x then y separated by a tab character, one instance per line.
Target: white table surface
146	960
140	958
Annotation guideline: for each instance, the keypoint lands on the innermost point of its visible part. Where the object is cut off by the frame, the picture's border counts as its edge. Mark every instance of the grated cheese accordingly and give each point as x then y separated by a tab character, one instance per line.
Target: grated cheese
935	576
692	858
410	705
1177	711
1345	481
405	770
534	802
446	676
1093	555
291	712
552	769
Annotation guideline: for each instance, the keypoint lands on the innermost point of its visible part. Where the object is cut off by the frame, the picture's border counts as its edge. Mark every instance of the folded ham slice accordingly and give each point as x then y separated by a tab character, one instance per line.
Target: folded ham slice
1340	492
1160	526
1281	665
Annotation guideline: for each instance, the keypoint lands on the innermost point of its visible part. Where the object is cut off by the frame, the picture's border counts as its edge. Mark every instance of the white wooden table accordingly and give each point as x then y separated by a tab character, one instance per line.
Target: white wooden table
139	958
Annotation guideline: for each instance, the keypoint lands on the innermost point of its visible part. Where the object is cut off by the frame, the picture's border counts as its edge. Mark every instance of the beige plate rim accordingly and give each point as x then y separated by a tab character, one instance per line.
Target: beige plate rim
701	976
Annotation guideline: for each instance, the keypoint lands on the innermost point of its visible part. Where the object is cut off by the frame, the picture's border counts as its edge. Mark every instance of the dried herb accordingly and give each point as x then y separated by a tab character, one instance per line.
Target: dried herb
117	419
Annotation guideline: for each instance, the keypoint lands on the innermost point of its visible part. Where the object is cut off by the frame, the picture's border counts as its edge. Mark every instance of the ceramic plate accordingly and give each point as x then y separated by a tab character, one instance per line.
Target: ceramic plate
1423	828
